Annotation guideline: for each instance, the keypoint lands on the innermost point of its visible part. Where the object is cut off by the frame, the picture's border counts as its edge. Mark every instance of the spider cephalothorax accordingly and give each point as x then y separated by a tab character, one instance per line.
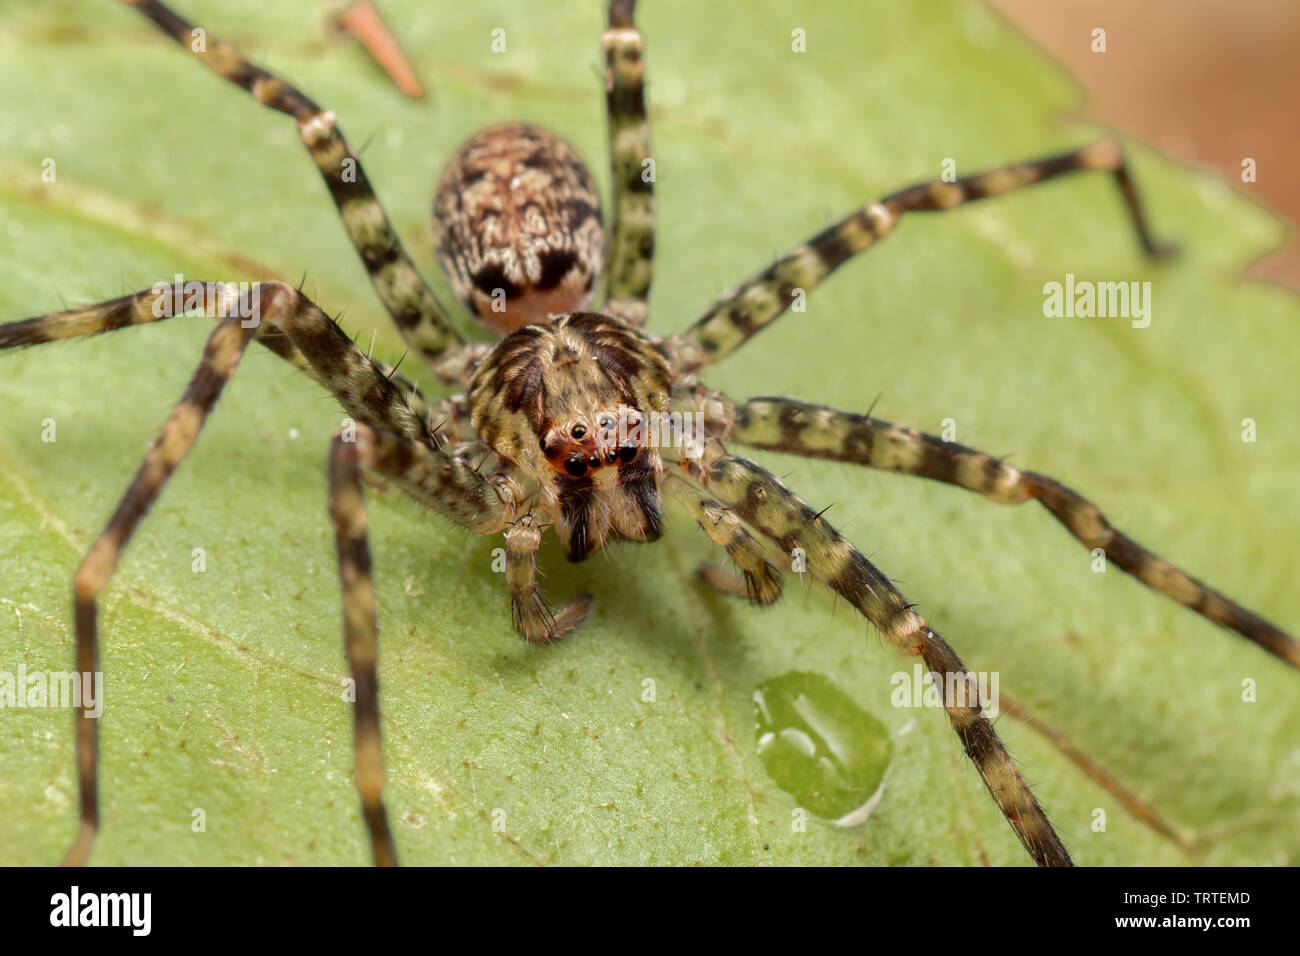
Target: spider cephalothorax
553	419
567	402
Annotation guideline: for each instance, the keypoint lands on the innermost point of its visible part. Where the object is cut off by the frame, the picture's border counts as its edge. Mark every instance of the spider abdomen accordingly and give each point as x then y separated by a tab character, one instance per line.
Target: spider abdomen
517	226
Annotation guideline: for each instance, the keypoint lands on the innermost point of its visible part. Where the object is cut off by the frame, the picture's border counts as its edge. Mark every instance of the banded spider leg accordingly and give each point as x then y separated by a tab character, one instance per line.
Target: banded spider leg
390	438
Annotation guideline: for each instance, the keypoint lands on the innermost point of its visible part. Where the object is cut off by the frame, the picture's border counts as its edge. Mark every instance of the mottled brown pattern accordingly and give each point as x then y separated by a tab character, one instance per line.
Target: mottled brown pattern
995	766
389	438
360	638
539	401
632	227
766	504
420	317
522	446
760	580
518	229
533	617
749	308
815	431
222	353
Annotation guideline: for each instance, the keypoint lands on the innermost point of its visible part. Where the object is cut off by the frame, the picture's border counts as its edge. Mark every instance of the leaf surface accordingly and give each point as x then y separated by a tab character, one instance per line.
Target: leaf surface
225	687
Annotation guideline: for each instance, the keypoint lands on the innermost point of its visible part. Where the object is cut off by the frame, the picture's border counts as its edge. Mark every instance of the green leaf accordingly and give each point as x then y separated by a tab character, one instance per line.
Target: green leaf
224	688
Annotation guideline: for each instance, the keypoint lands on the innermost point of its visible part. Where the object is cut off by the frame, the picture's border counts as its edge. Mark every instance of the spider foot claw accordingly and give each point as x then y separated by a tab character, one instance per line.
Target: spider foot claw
761	587
536	622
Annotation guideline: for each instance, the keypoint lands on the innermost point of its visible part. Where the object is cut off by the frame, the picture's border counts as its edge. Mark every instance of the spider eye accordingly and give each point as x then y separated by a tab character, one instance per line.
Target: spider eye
578	431
576	466
627	453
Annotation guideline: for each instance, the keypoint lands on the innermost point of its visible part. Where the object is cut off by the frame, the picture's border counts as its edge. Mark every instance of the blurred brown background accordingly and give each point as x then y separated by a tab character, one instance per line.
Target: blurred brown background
1205	81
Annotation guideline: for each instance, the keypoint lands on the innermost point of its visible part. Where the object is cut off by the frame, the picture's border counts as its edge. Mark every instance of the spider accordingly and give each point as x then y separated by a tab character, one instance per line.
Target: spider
546	429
